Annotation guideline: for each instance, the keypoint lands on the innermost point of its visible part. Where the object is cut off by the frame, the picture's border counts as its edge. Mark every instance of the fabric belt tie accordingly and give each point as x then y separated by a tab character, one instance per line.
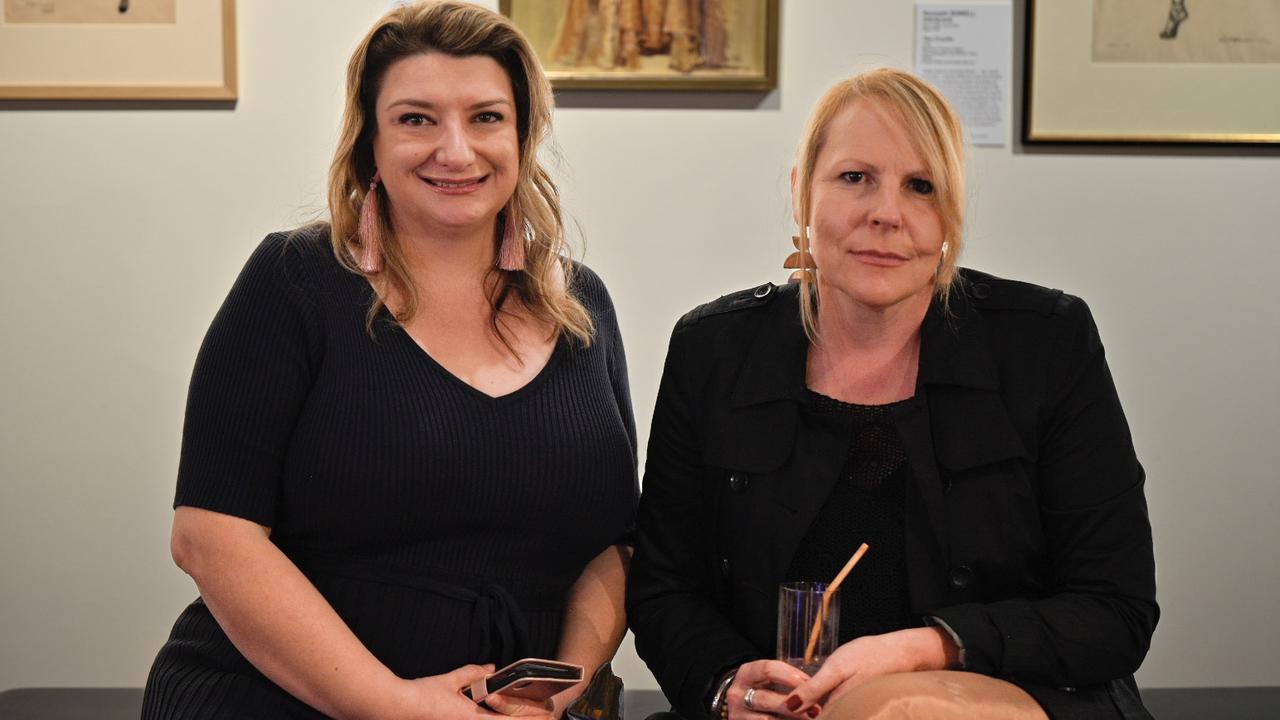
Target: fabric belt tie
496	612
497	623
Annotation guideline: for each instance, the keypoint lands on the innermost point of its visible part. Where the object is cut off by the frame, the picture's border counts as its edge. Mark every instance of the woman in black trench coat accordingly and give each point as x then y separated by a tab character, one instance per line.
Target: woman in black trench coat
965	426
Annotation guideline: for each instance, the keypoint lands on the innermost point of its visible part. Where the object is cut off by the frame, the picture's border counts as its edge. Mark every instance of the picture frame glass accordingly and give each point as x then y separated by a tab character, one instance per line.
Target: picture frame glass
652	44
118	50
1153	71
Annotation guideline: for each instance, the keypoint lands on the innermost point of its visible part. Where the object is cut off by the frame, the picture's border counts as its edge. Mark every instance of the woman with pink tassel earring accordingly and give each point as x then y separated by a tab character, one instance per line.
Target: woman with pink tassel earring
409	451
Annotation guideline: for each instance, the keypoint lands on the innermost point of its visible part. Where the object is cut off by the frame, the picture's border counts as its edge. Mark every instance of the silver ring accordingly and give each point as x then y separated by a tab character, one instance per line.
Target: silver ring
748	698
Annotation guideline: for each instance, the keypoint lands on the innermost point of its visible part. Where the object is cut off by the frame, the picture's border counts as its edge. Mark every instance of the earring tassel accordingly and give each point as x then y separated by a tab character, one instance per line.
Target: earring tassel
369	230
511	251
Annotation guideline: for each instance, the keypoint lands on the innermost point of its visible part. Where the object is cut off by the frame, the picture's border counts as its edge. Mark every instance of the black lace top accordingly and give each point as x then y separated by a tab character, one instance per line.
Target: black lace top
868	504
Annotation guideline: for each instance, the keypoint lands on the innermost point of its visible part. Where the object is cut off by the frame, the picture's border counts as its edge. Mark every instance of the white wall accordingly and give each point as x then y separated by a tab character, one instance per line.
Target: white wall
122	230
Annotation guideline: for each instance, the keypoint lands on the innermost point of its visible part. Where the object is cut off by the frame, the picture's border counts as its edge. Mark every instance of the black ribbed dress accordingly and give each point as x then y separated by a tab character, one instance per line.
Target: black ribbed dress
444	526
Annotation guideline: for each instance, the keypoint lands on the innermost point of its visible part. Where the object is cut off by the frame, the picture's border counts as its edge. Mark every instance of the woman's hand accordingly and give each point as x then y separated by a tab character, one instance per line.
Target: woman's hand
506	705
438	696
768	681
864	658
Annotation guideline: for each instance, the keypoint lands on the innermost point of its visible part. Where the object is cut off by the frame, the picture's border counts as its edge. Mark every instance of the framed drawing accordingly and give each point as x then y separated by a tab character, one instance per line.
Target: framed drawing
118	50
653	44
1152	71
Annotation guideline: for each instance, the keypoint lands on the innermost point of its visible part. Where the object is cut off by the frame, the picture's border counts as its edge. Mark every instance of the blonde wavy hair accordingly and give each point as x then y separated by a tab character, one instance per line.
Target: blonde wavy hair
457	29
935	130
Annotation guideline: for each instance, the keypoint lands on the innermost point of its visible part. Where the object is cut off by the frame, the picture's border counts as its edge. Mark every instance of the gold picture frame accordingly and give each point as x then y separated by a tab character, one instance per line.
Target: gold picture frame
708	45
63	50
1147	71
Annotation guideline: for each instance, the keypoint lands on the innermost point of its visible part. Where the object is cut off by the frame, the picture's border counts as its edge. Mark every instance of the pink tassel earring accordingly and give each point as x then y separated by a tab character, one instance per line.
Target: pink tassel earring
511	251
369	230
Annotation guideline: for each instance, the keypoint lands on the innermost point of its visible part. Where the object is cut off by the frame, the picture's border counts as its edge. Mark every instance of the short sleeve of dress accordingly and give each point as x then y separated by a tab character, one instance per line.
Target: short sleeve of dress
251	378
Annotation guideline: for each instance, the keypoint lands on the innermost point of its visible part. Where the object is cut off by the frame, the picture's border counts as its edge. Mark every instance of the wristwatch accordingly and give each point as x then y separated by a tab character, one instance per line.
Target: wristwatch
720	698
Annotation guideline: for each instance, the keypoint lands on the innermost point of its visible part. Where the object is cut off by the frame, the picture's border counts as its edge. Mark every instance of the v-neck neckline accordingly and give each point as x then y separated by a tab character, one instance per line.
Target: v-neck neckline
466	387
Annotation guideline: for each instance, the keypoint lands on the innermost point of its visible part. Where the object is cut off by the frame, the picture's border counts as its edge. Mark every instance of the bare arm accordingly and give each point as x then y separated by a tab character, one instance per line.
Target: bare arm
595	619
278	620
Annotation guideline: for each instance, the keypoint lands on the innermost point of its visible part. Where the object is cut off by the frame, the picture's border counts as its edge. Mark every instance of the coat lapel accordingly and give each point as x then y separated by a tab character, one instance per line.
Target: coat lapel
811	474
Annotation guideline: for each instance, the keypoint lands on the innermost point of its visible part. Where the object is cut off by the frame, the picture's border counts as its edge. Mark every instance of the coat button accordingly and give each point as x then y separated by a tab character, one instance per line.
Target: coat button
763	291
724	568
982	291
961	577
738	482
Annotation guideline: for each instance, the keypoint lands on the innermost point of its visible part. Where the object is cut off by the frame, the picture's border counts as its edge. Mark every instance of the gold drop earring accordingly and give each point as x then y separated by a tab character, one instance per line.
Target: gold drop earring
800	261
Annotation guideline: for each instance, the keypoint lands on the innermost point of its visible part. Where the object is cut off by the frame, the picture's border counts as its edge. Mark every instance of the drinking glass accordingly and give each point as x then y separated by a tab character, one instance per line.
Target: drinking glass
799	604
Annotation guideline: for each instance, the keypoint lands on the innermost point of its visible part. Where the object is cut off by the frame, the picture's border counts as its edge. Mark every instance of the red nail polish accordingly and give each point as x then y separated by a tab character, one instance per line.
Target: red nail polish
813	711
794	703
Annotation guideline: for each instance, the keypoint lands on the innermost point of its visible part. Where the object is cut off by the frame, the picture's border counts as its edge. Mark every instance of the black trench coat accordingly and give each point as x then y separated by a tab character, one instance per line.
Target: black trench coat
1026	524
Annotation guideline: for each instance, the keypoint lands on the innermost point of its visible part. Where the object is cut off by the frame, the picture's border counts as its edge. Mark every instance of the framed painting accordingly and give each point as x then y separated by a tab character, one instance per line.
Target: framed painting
1152	71
118	50
653	44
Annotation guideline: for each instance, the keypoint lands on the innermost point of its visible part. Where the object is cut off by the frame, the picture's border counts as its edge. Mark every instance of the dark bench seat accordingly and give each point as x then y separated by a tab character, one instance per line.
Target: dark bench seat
1243	703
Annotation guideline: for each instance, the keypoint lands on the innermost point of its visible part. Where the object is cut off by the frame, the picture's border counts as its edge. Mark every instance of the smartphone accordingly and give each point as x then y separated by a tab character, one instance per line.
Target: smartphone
530	678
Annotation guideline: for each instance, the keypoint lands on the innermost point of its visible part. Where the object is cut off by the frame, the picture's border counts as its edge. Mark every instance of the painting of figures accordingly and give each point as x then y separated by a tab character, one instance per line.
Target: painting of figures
652	44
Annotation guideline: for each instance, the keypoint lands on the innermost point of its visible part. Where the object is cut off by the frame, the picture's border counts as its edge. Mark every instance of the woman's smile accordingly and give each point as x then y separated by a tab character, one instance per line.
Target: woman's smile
447	146
458	186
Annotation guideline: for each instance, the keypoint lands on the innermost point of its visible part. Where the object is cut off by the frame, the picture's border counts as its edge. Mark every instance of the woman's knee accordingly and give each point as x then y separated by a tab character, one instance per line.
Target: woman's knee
936	695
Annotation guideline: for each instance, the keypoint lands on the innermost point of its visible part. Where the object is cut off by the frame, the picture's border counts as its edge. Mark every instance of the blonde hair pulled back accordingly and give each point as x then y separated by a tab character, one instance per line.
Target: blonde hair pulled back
934	128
